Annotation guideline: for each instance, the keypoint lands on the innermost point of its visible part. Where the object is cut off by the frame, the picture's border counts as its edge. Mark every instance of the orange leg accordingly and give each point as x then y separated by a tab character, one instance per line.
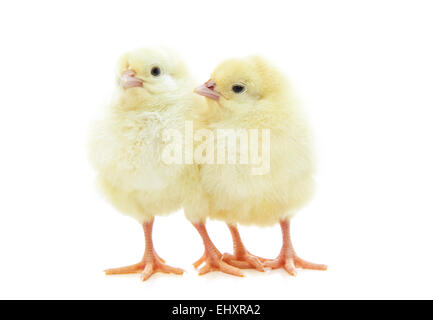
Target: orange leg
151	262
212	257
288	258
242	258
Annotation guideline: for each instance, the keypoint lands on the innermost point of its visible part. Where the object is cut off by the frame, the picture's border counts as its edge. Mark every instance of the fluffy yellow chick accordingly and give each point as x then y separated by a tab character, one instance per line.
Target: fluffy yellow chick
249	94
153	93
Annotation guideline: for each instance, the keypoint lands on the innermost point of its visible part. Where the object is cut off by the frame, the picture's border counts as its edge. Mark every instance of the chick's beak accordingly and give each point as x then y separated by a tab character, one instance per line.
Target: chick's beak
208	90
128	79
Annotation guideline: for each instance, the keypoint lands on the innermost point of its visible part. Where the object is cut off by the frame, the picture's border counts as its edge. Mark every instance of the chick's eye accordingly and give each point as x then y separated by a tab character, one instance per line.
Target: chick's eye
237	88
155	71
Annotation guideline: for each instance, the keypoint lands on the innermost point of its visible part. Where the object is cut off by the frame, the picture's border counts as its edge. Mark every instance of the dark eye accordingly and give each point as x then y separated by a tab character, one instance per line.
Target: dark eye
237	88
155	71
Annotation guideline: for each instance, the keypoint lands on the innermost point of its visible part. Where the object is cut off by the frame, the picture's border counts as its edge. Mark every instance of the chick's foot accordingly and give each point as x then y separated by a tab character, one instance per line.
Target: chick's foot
290	262
147	267
287	258
244	261
214	262
242	258
212	258
151	262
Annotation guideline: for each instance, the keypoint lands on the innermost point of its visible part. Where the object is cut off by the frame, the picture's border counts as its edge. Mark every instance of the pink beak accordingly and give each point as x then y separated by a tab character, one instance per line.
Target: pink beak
128	80
208	90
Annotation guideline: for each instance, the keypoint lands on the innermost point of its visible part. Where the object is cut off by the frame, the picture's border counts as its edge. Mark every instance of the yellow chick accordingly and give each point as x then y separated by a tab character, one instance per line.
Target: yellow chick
153	93
250	94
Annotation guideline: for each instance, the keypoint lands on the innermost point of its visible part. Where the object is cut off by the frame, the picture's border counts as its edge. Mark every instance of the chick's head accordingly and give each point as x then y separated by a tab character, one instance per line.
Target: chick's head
151	77
239	86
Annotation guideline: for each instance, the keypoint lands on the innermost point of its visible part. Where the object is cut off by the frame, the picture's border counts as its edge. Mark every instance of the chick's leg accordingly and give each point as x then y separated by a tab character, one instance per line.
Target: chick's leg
151	262
241	258
212	257
288	258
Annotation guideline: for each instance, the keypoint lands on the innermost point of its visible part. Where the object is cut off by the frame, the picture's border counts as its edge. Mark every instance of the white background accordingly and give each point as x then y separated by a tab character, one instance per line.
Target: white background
364	72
